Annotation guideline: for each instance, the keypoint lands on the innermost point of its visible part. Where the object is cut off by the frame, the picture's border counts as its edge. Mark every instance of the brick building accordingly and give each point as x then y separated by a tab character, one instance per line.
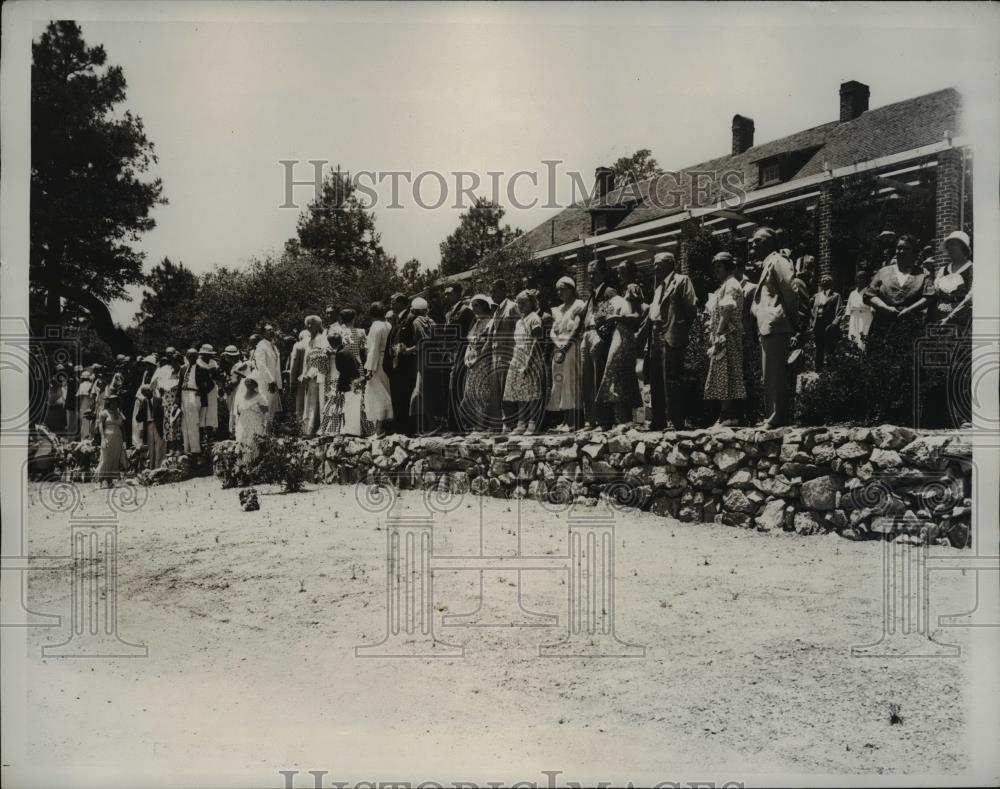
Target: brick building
910	147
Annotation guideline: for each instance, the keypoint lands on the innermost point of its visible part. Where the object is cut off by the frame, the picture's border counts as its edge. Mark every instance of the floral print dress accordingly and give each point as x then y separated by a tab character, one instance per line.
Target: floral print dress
725	369
526	374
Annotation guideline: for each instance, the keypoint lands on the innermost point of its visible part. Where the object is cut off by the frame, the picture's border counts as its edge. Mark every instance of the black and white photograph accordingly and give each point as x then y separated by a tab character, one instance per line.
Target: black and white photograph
499	394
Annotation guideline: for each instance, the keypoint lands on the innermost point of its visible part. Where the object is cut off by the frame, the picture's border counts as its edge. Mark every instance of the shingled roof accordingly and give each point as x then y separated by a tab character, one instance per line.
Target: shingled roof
884	131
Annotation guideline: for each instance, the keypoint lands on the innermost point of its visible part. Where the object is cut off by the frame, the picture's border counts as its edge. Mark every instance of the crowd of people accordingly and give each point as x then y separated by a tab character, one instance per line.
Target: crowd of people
507	363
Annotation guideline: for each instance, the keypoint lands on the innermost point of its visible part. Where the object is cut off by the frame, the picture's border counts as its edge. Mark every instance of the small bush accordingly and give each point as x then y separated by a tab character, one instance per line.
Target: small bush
870	386
278	460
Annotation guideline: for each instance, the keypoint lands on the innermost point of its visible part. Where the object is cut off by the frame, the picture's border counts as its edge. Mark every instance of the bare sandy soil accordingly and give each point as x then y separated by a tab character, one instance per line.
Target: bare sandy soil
252	619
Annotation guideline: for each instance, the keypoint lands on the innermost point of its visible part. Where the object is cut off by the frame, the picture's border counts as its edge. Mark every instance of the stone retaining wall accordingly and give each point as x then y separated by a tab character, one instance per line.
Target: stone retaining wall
859	482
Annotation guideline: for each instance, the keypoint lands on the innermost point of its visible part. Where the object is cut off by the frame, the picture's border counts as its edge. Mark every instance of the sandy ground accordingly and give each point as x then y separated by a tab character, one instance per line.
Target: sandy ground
251	620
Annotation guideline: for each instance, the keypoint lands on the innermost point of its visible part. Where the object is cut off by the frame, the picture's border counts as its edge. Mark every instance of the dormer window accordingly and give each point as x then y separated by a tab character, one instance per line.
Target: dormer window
770	173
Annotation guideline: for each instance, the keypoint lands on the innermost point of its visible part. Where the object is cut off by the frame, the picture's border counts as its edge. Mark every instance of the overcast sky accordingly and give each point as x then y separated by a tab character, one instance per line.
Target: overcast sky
481	88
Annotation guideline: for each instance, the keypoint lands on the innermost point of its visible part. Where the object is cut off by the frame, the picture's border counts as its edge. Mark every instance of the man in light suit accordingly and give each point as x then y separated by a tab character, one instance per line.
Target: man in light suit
267	362
665	334
776	308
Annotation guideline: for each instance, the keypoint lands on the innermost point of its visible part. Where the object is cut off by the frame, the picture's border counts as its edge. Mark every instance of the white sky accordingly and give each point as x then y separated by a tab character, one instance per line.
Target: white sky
487	87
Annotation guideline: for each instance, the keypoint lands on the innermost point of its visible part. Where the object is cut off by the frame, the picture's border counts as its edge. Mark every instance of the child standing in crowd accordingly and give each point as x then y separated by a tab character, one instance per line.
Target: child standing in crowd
149	417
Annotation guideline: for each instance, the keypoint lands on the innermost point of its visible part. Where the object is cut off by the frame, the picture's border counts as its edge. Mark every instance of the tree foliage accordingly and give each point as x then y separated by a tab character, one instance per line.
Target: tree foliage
165	309
89	198
228	304
640	166
336	228
479	234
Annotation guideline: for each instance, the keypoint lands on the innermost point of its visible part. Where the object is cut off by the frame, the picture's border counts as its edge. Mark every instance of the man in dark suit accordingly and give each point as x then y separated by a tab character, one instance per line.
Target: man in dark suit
457	320
403	369
665	334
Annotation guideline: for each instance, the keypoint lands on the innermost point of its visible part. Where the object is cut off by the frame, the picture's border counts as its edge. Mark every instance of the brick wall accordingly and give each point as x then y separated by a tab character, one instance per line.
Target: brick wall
824	228
947	208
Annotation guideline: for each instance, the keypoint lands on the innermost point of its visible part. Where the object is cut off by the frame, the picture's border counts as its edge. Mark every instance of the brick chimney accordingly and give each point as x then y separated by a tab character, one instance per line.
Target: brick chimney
742	134
853	100
605	178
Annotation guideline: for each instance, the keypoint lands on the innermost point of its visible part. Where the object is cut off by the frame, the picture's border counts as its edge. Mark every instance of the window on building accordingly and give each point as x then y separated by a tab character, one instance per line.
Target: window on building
770	173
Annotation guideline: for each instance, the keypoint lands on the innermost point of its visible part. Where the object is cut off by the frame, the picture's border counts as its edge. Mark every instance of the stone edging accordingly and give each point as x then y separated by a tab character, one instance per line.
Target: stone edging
859	482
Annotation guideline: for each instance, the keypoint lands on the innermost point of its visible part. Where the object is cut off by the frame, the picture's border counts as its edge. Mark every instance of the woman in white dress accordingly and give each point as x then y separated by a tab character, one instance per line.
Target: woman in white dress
85	397
250	407
566	395
378	400
859	313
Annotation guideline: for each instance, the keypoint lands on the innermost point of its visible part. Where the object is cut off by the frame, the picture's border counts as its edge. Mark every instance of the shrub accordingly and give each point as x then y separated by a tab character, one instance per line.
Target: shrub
278	460
870	386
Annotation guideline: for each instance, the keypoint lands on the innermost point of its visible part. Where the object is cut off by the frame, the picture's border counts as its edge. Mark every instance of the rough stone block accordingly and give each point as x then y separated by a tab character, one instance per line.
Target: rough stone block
821	493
